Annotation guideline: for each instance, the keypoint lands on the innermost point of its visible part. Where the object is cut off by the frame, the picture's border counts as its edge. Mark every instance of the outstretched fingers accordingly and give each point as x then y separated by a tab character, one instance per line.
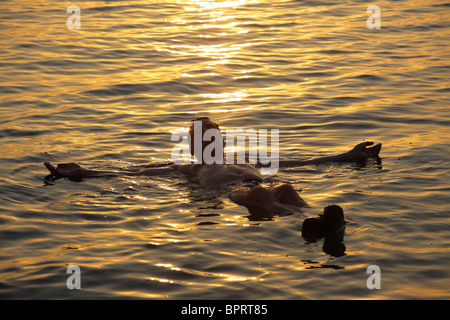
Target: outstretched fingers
51	168
365	150
374	151
70	170
362	146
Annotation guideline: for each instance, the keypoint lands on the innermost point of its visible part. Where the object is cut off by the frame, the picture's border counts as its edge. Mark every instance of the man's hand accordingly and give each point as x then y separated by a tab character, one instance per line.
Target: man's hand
361	152
69	170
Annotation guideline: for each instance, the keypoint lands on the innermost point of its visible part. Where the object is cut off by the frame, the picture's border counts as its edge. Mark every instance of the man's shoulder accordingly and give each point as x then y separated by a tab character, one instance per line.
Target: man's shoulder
189	168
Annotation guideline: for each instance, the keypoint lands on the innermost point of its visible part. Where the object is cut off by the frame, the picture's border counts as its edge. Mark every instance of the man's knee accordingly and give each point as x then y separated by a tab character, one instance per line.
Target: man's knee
260	195
283	189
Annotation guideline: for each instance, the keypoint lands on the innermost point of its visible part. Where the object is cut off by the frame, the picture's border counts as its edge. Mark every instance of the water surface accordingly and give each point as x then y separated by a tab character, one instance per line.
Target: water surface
109	95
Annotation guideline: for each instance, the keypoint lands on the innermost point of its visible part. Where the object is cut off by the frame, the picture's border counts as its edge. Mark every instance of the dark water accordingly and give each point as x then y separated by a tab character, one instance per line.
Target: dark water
109	95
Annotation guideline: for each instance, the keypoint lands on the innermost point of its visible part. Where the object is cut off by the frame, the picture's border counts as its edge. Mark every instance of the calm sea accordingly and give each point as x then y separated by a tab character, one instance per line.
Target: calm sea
110	94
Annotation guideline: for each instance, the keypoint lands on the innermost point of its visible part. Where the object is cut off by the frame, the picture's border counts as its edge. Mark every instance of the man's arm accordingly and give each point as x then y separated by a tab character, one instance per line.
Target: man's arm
75	171
359	152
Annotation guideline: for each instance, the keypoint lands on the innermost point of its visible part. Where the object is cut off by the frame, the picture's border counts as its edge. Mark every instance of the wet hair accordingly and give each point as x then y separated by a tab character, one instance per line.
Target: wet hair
206	120
206	125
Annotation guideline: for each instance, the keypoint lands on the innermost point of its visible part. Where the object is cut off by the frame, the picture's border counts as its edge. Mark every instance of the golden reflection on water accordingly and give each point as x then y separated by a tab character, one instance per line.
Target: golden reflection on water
213	34
213	5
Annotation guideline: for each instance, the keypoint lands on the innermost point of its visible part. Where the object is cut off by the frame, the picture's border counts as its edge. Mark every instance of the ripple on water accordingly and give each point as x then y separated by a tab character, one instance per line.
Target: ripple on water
109	95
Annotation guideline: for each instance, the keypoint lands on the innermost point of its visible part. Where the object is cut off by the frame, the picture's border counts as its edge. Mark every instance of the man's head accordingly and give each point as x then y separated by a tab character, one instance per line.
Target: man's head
203	123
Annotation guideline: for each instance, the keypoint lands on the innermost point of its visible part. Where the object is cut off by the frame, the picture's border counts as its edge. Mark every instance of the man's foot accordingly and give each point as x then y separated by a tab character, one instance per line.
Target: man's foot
69	170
